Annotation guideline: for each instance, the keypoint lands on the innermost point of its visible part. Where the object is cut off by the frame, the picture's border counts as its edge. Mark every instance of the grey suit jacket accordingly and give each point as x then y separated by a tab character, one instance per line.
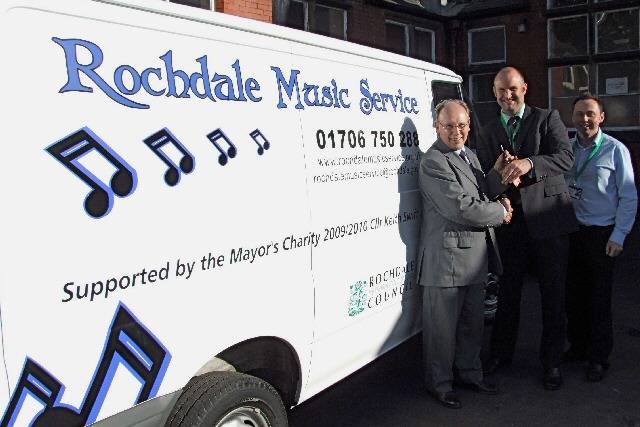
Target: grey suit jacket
456	214
543	138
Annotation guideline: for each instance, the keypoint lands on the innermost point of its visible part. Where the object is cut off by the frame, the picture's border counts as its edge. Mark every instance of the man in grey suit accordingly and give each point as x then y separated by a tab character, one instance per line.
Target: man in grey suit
453	256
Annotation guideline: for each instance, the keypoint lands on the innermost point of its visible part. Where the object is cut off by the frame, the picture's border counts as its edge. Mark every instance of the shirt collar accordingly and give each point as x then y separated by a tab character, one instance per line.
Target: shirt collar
506	116
593	141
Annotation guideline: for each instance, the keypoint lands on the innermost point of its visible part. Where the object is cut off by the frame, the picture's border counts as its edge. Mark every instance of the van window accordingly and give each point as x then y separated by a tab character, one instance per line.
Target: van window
445	90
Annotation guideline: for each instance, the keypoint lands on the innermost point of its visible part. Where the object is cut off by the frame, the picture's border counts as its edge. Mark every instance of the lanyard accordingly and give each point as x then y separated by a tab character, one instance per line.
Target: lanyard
595	150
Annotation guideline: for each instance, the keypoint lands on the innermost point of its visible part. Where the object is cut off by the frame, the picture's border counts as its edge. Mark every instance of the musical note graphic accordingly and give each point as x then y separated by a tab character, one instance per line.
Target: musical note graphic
259	137
225	155
99	201
159	139
128	344
37	382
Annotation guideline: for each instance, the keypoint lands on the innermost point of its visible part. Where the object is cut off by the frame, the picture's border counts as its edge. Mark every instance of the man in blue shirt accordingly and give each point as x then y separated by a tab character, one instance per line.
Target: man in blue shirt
605	201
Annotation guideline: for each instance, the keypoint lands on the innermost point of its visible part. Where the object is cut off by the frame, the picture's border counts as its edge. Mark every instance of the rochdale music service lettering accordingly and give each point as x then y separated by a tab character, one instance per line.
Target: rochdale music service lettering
168	79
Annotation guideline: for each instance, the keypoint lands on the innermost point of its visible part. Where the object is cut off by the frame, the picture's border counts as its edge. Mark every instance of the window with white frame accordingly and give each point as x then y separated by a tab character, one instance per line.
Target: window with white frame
424	46
552	4
568	36
202	4
410	40
487	45
566	83
397	37
481	94
617	30
619	88
329	21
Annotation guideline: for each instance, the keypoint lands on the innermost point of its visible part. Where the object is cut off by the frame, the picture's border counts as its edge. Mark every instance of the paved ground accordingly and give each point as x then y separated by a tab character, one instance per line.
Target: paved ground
390	392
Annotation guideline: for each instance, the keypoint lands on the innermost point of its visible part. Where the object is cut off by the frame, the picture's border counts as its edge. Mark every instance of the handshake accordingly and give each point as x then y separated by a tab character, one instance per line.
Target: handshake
511	168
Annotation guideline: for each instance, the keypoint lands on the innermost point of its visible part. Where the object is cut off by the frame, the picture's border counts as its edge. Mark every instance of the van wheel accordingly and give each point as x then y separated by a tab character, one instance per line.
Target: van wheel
228	399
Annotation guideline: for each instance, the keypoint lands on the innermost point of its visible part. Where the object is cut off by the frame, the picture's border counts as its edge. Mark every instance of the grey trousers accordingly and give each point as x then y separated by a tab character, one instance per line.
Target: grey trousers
452	329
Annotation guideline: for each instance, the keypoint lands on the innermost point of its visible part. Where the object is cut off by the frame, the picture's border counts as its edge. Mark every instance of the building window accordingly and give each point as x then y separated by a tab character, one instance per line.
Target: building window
568	36
617	30
297	15
565	85
397	37
487	45
424	44
202	4
331	21
552	4
405	39
484	102
619	88
328	21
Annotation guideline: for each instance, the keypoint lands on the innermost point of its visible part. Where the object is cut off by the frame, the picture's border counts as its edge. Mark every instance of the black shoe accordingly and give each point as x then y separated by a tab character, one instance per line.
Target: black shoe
482	387
552	379
595	372
494	363
573	355
448	399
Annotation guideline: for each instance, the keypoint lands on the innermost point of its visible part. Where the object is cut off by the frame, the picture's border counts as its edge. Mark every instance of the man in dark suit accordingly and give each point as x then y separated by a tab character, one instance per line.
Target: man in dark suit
453	255
543	218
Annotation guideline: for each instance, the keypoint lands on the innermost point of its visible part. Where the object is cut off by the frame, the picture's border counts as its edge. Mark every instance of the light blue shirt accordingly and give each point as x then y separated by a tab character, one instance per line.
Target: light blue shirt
609	194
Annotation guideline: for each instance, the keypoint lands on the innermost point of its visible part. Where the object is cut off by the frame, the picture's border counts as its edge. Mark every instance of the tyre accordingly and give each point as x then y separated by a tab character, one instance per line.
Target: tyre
491	298
228	399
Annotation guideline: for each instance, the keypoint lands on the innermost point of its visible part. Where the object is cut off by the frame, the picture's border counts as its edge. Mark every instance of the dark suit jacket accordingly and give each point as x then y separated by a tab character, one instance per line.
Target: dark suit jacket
545	197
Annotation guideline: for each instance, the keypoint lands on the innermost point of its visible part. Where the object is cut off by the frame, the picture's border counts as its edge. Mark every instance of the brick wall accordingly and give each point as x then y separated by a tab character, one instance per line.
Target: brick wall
260	10
365	25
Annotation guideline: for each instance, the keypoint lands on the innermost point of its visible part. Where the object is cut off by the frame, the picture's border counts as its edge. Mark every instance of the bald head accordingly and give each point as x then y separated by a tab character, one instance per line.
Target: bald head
509	73
509	89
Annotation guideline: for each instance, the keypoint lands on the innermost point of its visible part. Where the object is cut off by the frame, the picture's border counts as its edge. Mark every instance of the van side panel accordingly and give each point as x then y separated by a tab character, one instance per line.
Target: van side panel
365	203
152	190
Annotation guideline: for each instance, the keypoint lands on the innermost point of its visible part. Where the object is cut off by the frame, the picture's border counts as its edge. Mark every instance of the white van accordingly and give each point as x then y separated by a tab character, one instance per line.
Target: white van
205	219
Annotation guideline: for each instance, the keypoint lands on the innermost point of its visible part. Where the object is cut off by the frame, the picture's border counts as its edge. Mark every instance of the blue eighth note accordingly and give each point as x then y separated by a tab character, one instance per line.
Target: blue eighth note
36	382
129	344
225	155
158	140
99	201
261	140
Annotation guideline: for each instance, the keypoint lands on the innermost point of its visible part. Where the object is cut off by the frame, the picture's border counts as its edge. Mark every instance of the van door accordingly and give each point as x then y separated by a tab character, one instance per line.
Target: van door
362	156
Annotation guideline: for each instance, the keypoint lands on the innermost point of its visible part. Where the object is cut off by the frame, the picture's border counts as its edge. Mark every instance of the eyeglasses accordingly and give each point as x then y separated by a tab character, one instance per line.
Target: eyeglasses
459	126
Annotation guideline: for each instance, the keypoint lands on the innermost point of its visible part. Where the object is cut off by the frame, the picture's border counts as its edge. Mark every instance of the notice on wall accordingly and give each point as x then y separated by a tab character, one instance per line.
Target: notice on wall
617	86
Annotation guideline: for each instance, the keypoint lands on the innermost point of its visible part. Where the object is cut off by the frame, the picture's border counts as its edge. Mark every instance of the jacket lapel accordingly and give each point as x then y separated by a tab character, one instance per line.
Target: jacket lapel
457	161
501	136
525	128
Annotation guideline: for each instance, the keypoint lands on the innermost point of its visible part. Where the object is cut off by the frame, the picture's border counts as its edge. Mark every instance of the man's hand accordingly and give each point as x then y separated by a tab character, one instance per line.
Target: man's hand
507	206
514	170
613	249
502	161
